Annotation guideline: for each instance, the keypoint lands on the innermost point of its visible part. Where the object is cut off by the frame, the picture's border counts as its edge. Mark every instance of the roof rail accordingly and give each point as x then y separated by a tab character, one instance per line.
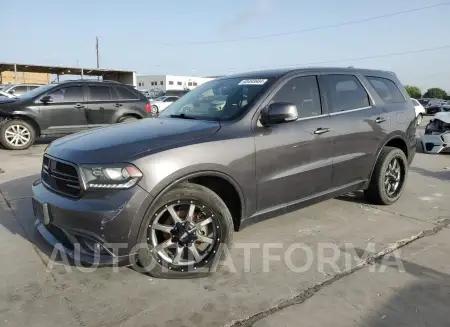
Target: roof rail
89	81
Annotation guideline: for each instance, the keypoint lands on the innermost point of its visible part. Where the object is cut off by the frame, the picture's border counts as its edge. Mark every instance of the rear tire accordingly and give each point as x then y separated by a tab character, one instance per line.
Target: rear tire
17	134
127	119
155	110
388	178
211	223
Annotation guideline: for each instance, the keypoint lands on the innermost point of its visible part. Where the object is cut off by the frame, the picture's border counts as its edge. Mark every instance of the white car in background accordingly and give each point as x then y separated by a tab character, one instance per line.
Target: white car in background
420	110
161	103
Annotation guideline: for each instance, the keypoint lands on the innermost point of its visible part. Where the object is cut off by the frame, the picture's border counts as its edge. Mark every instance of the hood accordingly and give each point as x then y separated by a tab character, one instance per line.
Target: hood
128	141
4	99
443	116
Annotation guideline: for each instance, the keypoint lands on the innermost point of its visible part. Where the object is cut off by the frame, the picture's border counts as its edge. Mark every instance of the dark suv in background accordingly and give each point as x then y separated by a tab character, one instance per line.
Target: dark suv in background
232	151
59	109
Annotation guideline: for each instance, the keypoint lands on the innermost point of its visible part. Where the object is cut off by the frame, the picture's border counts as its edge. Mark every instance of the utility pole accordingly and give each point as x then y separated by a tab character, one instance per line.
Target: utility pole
98	60
96	49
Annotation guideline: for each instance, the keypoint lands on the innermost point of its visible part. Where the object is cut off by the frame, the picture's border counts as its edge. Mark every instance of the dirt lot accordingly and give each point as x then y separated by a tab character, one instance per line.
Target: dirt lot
369	293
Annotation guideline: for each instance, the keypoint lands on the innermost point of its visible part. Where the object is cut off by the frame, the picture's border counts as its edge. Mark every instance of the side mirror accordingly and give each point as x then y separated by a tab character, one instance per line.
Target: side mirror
12	92
279	112
46	99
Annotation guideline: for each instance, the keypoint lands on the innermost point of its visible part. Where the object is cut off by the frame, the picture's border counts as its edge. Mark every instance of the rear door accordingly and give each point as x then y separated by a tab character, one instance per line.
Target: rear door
357	125
127	102
66	113
100	105
293	160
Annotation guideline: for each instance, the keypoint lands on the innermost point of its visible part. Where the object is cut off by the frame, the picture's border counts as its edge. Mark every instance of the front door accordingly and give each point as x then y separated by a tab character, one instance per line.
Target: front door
358	127
293	160
65	114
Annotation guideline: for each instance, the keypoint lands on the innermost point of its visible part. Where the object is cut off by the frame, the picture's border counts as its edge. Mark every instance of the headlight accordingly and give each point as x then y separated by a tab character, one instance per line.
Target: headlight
114	176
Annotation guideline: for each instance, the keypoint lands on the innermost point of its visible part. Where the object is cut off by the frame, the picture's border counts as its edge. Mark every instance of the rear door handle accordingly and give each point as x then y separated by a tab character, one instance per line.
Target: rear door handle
79	106
380	120
117	105
321	131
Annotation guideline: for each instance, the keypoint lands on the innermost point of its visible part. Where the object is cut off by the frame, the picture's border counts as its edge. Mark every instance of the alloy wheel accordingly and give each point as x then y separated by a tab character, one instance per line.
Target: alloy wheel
393	178
184	233
17	135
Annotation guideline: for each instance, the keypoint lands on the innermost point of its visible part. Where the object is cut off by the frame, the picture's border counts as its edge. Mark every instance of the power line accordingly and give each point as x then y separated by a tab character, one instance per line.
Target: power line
355	58
273	35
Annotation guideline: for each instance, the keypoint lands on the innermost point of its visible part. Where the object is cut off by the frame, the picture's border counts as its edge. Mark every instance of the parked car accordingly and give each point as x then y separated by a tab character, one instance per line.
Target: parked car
431	105
18	89
170	191
420	110
161	103
60	109
445	106
437	134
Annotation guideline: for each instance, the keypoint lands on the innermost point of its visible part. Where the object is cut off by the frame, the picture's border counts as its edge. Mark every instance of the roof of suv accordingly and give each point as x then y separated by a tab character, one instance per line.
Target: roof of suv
284	71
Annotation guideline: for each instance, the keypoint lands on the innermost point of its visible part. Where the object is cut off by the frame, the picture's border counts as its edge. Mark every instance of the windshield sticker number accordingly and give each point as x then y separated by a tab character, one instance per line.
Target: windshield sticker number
252	82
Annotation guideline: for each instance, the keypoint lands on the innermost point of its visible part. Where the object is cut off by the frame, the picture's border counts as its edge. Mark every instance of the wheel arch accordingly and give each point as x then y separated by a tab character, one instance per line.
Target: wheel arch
220	183
29	119
396	141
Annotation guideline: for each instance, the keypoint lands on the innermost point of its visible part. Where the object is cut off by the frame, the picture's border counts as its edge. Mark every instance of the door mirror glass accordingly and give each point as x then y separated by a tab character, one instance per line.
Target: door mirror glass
46	99
279	112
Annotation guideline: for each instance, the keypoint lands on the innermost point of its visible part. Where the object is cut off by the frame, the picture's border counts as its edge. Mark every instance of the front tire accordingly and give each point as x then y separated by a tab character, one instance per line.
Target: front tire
184	233
388	178
17	134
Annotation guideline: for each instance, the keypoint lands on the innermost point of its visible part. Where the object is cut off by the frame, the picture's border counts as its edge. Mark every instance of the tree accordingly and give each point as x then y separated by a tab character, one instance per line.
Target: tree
413	91
435	92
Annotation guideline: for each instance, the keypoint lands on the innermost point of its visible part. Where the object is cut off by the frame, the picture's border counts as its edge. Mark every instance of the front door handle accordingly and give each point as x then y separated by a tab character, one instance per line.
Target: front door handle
79	106
380	120
321	130
117	105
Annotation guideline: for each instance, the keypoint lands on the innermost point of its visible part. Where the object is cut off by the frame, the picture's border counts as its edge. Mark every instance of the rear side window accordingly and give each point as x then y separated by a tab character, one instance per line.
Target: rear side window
302	92
125	94
99	93
344	92
386	89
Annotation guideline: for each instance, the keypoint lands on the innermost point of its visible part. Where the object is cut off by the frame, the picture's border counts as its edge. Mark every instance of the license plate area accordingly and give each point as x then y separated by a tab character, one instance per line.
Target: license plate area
41	211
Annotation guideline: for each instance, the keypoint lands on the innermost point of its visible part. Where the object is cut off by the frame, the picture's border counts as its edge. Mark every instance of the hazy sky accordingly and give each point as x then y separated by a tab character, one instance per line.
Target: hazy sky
156	37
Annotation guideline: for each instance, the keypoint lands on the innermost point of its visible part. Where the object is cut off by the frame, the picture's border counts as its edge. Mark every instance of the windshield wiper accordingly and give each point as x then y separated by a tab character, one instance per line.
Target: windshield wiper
183	116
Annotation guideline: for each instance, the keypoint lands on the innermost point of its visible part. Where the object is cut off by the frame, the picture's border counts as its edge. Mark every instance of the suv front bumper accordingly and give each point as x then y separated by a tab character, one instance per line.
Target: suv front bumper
101	227
436	143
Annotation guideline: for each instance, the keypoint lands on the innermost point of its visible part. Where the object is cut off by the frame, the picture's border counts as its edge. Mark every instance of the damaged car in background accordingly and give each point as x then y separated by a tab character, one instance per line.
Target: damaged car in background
437	134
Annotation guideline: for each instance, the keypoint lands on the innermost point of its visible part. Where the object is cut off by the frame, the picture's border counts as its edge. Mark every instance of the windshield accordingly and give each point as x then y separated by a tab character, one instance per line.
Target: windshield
38	91
223	99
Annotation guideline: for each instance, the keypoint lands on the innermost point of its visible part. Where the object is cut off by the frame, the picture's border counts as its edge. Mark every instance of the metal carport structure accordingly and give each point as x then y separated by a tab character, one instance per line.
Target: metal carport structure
123	76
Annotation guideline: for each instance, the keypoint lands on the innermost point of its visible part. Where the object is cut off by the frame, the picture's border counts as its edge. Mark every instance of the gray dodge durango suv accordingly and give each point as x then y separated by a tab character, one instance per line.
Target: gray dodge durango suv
170	191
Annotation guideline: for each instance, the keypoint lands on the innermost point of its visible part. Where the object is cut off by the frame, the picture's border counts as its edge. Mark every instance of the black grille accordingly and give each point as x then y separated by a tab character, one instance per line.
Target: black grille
60	177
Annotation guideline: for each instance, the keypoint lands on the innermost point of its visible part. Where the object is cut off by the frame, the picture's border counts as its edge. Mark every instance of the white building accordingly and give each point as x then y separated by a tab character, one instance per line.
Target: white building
169	82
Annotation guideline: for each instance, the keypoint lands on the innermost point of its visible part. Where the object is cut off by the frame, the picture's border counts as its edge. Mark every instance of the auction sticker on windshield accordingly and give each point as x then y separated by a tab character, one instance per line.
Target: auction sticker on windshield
252	82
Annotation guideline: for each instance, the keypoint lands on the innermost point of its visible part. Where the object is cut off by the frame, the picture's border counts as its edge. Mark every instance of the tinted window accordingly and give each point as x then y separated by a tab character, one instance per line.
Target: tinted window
99	93
179	83
125	94
170	82
161	83
344	92
19	90
68	94
386	89
195	83
304	93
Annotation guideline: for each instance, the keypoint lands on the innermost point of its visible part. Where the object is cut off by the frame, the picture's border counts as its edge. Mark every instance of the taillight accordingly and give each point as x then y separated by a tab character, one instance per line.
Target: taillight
148	107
